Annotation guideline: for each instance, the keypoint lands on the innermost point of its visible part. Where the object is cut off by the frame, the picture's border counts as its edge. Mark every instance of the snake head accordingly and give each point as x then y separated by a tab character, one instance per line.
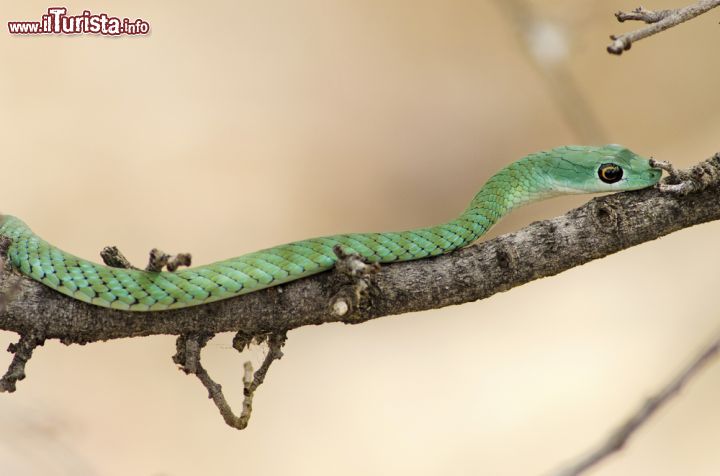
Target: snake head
609	168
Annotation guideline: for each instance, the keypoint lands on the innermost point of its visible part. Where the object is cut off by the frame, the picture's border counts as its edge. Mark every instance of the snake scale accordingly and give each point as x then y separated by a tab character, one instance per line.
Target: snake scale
563	170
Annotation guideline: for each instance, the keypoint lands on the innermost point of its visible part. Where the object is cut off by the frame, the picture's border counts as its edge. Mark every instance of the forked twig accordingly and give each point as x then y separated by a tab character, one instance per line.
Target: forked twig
189	348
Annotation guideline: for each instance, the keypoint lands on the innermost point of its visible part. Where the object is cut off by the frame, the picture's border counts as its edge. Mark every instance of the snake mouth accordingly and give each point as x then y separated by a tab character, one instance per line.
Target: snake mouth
655	171
654	175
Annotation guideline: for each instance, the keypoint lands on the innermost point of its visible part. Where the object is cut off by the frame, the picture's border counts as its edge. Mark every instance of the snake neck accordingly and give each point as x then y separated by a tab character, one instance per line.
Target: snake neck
512	187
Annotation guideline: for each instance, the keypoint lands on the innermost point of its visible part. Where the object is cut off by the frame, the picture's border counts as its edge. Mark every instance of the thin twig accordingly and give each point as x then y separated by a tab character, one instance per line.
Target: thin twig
188	357
657	21
157	260
684	182
642	14
113	257
618	438
275	344
189	348
23	351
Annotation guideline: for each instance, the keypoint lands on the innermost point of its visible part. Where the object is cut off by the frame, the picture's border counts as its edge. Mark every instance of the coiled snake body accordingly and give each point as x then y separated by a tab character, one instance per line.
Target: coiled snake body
568	169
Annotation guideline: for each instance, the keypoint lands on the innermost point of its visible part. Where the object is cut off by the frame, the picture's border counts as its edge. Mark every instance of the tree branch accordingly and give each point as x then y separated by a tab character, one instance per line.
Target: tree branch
657	21
603	226
618	438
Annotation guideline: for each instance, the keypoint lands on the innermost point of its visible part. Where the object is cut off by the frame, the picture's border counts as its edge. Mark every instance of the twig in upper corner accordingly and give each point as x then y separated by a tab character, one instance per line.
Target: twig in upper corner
657	21
618	438
641	14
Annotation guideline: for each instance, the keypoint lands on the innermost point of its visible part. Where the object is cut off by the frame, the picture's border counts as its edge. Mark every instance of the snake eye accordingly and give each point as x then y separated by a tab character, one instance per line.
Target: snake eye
610	173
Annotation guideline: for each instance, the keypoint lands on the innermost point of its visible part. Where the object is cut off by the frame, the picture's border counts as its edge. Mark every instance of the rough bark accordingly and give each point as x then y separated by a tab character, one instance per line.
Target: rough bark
601	227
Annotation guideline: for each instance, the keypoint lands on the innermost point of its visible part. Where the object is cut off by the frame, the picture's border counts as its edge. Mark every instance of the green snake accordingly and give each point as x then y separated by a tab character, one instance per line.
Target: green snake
563	170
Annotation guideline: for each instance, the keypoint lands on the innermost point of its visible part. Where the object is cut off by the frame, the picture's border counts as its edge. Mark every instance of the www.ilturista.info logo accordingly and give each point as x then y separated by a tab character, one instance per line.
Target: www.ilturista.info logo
59	23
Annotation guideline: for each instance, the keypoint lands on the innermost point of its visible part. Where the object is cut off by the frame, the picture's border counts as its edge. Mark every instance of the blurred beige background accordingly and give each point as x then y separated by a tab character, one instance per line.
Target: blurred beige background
238	125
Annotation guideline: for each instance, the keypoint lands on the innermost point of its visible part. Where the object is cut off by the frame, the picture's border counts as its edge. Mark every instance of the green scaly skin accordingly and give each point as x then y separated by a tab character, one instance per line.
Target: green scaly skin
569	169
